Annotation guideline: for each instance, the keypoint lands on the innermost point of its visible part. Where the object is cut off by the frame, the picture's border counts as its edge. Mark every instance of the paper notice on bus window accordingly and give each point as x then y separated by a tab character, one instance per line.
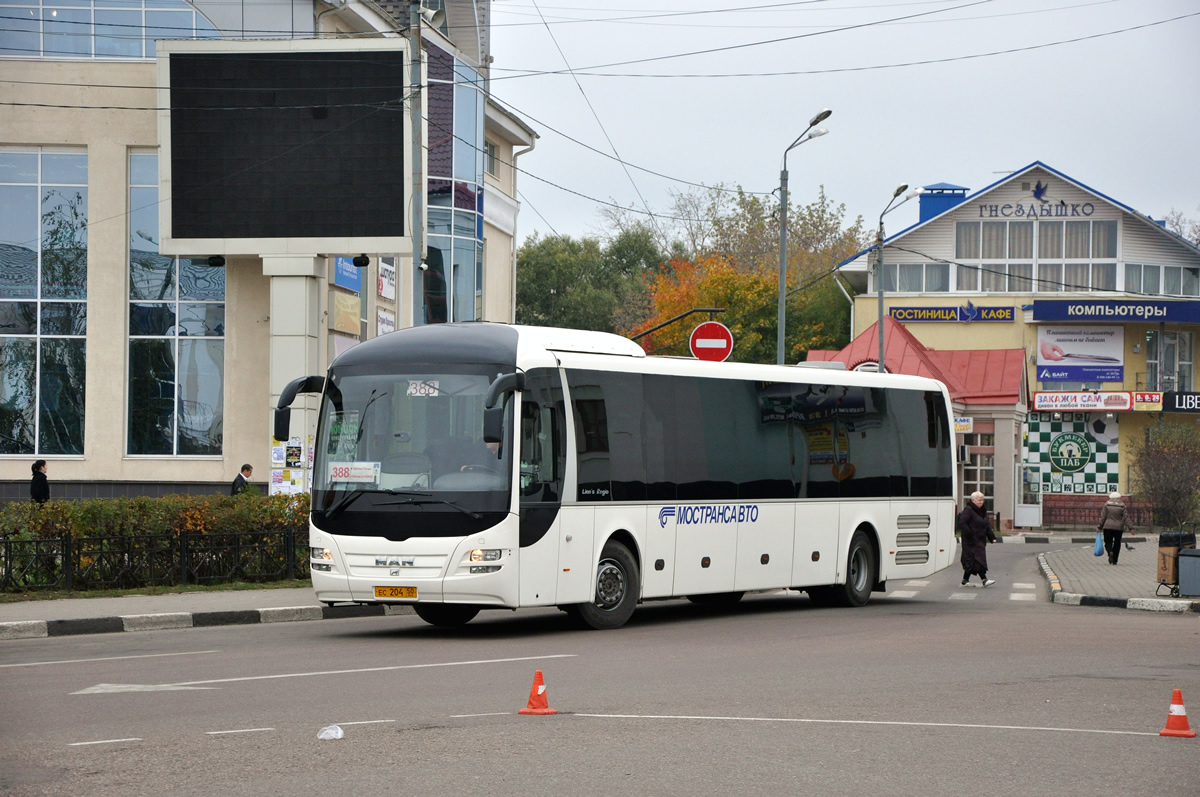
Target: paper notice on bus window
354	472
424	387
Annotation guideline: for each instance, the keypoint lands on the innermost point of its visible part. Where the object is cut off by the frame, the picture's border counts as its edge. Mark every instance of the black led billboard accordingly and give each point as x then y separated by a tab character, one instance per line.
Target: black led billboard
287	145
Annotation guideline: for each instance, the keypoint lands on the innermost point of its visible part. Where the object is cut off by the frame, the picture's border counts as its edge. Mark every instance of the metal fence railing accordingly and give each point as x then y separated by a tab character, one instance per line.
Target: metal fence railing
132	562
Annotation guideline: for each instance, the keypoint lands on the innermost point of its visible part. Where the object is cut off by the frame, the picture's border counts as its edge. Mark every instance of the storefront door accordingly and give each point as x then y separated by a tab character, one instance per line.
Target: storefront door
1028	513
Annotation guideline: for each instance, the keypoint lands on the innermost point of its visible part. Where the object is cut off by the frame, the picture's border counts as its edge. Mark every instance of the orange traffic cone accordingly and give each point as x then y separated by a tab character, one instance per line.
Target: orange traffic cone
537	698
1177	724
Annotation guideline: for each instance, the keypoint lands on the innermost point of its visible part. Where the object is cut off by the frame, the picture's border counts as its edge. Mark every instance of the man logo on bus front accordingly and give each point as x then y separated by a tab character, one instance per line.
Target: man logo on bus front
663	514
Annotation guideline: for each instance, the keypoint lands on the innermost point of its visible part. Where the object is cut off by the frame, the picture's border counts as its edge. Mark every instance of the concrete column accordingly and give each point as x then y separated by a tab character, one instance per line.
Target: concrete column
297	320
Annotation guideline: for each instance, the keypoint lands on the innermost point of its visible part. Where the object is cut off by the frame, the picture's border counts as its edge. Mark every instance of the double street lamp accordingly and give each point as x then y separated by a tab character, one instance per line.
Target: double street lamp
879	259
809	133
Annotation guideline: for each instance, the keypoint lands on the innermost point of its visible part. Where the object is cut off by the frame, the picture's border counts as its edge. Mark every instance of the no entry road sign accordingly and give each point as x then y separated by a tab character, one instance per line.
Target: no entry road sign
711	341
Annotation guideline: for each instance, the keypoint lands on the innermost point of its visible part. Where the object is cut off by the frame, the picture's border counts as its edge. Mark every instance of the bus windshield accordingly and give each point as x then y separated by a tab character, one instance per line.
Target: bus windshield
409	442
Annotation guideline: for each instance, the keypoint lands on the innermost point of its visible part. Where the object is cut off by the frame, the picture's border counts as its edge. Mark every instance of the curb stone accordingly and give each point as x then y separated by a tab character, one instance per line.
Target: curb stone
1057	595
34	629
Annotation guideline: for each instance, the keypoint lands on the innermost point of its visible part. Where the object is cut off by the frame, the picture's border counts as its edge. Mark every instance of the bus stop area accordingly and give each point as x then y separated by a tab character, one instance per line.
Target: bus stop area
1073	574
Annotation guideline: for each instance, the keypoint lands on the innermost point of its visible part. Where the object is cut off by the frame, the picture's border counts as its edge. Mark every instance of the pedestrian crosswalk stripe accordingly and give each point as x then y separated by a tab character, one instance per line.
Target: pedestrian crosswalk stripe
1022	596
963	596
916	583
1024	585
902	593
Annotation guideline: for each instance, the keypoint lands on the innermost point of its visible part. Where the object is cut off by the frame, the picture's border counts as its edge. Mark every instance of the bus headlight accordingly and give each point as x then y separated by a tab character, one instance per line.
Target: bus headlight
324	554
478	569
484	555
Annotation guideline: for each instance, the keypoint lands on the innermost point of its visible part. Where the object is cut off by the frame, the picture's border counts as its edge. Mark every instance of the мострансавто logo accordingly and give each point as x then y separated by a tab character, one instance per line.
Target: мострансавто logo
723	513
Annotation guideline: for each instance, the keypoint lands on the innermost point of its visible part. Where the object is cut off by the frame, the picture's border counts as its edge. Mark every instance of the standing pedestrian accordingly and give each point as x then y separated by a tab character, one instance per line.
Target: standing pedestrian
976	532
1114	520
39	485
241	480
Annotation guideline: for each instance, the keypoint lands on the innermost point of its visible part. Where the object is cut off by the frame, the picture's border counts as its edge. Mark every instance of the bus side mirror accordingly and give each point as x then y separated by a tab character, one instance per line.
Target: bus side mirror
493	425
283	411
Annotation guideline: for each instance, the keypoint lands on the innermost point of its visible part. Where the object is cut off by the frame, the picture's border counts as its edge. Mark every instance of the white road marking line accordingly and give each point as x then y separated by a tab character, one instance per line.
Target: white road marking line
1024	585
916	583
963	596
870	722
135	687
490	714
108	658
240	730
364	722
901	593
105	741
1022	596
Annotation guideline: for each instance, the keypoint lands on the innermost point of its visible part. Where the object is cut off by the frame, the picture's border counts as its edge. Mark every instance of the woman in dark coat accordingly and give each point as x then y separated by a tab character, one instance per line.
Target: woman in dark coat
39	485
976	532
1113	522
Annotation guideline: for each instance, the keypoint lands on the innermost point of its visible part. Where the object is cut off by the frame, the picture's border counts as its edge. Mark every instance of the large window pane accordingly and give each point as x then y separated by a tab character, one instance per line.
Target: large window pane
1104	239
1050	239
201	392
64	318
994	278
464	280
1133	278
61	386
1150	279
18	318
993	240
1104	276
966	240
151	319
937	277
1075	275
889	277
1172	280
1077	239
201	282
205	320
1050	277
151	396
1020	277
912	277
66	32
967	278
18	228
1190	282
18	368
118	34
19	36
1020	240
64	243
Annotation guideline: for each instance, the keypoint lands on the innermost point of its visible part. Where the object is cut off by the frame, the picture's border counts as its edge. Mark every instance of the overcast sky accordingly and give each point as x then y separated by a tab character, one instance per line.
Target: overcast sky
1118	108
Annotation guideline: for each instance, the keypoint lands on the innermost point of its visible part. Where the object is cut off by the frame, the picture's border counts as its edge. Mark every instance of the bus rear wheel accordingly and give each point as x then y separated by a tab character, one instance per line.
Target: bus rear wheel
617	587
446	615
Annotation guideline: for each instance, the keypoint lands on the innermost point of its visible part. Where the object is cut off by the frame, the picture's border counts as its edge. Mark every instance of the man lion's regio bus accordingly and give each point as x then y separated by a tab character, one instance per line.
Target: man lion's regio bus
461	467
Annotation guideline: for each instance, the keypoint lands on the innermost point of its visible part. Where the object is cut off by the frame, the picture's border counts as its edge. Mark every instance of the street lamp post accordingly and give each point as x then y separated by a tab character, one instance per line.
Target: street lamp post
783	214
879	260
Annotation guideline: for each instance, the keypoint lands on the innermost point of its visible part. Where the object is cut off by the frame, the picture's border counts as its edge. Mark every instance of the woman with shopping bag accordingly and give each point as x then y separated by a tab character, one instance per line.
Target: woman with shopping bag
1114	520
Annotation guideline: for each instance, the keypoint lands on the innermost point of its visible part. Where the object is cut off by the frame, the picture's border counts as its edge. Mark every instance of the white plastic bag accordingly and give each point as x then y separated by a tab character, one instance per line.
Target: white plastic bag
330	732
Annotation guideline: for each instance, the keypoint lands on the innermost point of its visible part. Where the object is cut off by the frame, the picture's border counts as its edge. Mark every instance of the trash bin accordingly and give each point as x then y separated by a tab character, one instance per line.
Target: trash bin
1189	572
1169	545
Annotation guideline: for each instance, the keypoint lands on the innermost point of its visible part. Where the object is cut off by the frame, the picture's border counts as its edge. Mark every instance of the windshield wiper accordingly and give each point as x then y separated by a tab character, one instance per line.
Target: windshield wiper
464	510
343	502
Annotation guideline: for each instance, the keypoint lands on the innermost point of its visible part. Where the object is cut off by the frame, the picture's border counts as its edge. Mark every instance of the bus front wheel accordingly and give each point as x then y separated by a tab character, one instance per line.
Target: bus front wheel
860	577
446	615
617	587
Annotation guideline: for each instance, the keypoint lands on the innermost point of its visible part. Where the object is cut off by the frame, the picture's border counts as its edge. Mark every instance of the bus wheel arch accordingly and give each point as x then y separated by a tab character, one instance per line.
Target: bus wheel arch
618	586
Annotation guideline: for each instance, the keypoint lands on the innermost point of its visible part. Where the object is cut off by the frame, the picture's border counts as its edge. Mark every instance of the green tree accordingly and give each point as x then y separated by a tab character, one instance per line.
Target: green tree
1168	471
564	282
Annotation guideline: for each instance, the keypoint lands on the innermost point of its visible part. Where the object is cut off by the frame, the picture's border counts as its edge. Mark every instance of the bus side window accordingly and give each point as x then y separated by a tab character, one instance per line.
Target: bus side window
542	437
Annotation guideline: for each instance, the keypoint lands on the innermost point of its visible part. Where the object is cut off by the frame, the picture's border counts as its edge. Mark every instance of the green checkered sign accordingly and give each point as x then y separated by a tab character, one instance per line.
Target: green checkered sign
1070	452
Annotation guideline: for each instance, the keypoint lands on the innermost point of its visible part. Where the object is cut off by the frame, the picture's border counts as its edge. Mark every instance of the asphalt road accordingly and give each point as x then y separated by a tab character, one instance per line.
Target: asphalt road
935	689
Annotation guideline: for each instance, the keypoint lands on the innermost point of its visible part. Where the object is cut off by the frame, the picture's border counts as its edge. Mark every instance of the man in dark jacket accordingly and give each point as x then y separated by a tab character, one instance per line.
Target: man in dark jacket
241	480
976	532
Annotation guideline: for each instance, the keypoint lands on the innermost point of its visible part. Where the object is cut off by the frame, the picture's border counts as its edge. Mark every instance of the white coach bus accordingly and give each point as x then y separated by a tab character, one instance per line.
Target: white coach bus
461	467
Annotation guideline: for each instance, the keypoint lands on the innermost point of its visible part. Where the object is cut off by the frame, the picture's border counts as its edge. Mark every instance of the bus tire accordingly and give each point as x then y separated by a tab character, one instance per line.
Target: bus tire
618	583
446	615
860	573
716	598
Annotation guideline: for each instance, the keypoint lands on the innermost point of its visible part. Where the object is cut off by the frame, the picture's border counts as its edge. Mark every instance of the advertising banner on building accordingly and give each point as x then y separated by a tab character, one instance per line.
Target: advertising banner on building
965	314
385	321
387	278
1180	401
1080	354
345	275
1096	401
345	313
1110	310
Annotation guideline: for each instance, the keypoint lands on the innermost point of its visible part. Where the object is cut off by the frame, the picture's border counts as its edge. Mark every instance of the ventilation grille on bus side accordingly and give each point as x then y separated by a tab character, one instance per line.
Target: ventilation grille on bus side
912	539
912	522
913	557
